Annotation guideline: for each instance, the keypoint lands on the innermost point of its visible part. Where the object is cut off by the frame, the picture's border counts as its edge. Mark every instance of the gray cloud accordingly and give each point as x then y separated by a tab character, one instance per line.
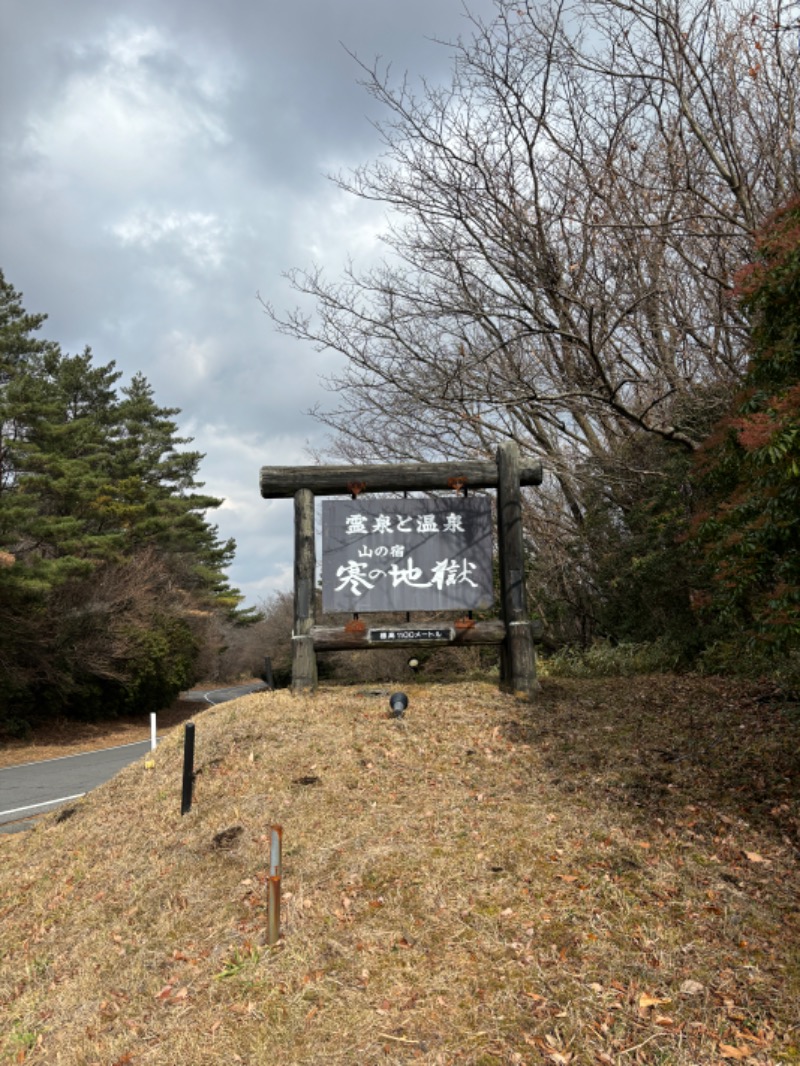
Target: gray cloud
164	161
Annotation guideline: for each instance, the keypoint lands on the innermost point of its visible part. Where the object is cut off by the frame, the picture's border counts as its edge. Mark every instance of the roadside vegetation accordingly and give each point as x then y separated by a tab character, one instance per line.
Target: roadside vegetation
113	595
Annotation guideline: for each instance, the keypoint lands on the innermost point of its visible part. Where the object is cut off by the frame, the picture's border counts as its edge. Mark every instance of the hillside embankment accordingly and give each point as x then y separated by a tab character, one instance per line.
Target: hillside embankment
609	875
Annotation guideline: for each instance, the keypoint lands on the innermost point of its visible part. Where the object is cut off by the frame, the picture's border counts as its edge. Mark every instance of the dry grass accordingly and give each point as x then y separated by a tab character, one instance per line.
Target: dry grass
610	876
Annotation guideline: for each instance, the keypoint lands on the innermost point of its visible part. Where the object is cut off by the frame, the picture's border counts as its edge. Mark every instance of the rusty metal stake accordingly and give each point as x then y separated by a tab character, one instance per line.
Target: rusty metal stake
273	910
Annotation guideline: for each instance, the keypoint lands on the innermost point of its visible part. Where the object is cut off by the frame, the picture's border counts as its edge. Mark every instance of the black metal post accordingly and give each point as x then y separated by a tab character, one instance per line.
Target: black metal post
188	768
268	677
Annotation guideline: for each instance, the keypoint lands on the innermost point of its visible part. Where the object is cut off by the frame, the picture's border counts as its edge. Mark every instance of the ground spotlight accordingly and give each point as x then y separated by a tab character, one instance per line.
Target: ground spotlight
398	701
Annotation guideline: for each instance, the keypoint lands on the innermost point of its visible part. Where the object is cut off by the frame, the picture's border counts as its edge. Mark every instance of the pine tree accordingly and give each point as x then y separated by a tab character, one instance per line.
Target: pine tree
158	482
106	556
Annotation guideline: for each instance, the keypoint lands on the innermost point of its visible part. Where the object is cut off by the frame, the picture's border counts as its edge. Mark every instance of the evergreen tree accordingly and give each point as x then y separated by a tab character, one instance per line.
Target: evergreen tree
157	482
107	557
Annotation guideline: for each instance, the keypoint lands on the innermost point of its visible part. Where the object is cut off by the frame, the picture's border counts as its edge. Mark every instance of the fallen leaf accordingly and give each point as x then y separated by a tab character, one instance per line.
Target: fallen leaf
753	856
692	988
753	1039
646	1002
729	1052
164	993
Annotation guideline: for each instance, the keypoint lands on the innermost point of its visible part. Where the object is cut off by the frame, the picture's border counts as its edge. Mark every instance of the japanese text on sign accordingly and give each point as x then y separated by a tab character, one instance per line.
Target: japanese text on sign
403	555
375	636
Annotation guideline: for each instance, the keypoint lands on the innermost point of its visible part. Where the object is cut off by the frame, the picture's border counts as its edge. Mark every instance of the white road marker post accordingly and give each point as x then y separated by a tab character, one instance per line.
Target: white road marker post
153	740
274	885
275	849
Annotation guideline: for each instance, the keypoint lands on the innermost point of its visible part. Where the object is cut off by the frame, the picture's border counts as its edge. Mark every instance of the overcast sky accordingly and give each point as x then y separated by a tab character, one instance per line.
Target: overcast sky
161	162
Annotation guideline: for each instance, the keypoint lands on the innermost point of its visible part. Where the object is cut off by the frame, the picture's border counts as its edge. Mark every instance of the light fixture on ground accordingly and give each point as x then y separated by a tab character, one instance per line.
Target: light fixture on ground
413	663
398	701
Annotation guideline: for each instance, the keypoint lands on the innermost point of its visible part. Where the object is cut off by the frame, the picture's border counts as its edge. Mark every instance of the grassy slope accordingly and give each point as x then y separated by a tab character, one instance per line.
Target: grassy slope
608	876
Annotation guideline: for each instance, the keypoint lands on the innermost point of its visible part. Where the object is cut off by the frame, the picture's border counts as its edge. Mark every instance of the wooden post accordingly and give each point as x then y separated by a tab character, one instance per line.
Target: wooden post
269	677
304	662
519	661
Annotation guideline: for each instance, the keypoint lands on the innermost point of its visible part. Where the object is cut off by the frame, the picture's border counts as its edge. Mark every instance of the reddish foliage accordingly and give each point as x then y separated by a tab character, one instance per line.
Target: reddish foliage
754	431
748	468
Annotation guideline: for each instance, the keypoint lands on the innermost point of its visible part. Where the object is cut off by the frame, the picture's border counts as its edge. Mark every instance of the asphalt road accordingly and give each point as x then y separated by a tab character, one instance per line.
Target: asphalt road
222	695
37	787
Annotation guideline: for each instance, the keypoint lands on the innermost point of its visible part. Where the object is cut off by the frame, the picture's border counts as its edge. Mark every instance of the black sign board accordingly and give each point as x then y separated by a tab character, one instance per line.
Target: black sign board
407	555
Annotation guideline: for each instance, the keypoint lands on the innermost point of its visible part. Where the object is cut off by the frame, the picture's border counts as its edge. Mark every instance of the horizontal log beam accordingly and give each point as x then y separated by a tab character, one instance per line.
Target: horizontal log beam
278	482
337	638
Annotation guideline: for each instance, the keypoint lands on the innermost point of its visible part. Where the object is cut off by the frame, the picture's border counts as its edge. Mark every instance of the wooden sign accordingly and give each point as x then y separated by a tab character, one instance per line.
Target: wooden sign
430	554
455	569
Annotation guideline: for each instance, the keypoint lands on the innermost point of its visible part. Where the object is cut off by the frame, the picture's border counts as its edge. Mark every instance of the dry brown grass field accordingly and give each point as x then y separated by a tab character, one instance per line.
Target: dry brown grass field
608	875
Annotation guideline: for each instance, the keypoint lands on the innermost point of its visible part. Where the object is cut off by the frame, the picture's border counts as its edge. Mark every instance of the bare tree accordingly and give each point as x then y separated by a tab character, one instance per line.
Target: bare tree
564	222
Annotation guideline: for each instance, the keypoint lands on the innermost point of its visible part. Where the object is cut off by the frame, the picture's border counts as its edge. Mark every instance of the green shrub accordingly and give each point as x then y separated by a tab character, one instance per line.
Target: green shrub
736	658
16	728
608	660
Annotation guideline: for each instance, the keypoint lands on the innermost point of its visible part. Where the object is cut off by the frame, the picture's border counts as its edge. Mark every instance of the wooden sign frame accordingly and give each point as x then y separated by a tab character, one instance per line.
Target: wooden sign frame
513	632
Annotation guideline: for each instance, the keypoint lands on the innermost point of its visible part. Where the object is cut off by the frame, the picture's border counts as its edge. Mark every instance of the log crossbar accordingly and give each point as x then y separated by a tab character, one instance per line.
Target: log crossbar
281	482
339	638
